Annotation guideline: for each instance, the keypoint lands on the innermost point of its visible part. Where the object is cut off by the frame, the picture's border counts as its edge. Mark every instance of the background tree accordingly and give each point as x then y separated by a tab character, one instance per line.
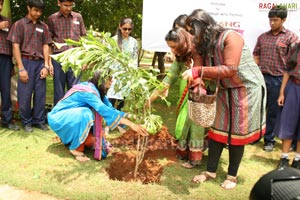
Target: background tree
101	15
6	9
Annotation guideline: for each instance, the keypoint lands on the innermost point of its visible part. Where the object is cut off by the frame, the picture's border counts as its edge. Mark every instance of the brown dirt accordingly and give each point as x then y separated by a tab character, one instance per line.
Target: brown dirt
162	140
123	164
160	146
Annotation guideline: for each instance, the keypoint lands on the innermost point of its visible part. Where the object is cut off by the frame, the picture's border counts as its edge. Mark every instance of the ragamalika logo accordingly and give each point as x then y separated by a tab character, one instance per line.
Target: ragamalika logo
266	6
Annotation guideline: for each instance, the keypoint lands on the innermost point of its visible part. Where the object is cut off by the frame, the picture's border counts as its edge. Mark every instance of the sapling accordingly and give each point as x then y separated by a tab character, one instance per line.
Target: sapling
101	51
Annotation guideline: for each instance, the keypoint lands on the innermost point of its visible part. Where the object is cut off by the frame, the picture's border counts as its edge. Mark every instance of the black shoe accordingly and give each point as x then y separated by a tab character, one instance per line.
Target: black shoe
42	127
284	162
296	164
269	147
11	126
28	128
293	147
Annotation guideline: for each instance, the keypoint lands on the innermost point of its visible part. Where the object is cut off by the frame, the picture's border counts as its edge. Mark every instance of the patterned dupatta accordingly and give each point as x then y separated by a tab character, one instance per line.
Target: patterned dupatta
99	152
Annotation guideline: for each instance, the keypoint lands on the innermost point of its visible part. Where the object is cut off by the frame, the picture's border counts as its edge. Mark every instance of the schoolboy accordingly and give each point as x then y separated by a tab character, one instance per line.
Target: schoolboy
64	24
6	70
31	38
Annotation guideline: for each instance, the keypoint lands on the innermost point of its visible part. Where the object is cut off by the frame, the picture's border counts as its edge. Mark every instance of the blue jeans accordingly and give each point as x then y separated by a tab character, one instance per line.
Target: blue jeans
62	79
33	91
273	84
6	67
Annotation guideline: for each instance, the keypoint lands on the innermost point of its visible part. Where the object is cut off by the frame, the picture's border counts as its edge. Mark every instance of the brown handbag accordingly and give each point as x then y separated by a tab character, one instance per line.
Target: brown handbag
202	107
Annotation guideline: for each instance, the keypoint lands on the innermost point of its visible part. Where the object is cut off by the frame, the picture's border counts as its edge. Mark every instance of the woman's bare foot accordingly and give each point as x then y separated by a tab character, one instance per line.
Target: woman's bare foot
190	164
80	156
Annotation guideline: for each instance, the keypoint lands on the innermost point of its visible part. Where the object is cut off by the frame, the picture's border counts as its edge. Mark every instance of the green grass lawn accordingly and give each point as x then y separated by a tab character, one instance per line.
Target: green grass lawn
38	162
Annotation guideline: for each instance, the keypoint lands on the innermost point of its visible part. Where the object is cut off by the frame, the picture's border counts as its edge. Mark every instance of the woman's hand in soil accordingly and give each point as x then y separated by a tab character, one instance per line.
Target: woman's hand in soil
139	129
135	127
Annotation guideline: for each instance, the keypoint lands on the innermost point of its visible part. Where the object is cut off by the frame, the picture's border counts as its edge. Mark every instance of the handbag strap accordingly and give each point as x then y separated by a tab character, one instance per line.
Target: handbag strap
217	86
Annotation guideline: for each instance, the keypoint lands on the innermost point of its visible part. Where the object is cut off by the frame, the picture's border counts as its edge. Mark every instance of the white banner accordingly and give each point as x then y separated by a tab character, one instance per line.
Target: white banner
250	17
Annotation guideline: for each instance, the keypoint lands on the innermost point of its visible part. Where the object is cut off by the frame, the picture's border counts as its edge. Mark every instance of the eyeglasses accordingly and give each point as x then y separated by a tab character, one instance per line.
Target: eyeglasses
126	29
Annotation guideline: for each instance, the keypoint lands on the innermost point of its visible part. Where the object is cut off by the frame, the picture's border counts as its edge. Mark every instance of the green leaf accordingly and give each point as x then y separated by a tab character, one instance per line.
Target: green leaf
103	52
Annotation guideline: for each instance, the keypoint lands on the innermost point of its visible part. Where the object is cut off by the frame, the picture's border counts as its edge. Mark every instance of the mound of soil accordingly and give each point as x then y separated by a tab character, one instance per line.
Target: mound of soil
160	146
162	140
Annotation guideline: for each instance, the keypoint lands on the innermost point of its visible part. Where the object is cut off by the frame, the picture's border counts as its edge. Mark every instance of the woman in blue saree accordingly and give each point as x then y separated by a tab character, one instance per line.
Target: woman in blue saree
84	106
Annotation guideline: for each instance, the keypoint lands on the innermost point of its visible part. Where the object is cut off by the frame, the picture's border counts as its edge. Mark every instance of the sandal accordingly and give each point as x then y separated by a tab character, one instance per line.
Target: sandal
190	164
80	156
229	183
204	176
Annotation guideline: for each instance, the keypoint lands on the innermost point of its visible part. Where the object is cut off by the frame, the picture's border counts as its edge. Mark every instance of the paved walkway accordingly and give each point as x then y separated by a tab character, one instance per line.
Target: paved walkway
10	193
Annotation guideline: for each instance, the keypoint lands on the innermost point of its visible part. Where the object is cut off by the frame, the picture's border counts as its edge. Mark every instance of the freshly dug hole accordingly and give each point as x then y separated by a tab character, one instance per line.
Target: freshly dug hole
123	164
160	146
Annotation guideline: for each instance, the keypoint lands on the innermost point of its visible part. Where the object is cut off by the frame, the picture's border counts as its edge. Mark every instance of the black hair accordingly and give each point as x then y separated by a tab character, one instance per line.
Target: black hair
36	3
125	20
180	21
183	39
205	29
293	59
99	83
61	1
278	11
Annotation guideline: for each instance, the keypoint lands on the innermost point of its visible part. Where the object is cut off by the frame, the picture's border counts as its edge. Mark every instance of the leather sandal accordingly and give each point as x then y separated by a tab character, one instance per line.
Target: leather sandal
204	176
229	183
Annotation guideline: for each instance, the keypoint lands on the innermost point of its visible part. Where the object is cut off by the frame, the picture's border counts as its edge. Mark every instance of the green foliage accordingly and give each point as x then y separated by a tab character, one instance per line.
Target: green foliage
102	52
101	15
152	122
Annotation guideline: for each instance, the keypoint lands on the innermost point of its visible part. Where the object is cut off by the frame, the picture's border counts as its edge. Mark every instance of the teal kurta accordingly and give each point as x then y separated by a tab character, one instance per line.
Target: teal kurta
72	117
